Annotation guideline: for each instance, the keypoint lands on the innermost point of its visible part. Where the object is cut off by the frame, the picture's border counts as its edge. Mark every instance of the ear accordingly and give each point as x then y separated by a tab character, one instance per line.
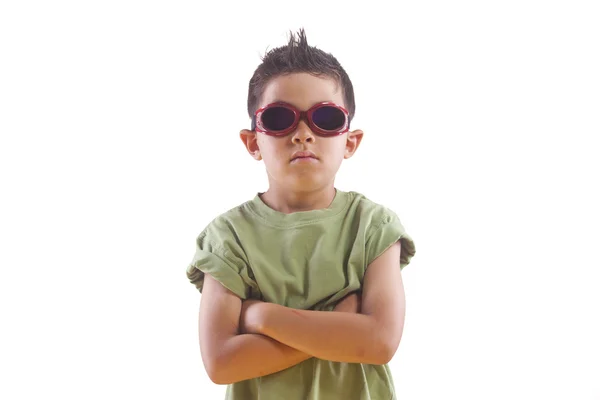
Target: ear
251	142
352	142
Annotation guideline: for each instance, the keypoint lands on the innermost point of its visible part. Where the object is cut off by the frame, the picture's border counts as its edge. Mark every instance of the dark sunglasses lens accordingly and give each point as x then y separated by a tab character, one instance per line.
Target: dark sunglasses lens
277	118
329	118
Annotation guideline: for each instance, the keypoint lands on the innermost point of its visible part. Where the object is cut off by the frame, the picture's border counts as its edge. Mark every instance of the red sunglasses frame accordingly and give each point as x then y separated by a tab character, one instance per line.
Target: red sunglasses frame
298	115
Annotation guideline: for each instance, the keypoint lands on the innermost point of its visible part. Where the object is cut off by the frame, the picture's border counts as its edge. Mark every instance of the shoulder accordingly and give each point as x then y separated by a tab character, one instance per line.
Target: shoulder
229	223
370	211
219	252
382	228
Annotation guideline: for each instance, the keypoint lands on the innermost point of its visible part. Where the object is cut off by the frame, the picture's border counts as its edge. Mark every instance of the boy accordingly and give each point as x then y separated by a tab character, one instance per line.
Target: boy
302	294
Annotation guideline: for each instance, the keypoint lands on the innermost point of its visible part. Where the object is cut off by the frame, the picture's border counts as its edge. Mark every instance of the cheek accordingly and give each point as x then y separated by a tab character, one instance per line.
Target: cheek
337	149
337	153
270	153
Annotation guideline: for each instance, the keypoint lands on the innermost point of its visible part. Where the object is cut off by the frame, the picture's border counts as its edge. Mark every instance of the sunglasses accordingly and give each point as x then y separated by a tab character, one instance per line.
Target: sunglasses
279	119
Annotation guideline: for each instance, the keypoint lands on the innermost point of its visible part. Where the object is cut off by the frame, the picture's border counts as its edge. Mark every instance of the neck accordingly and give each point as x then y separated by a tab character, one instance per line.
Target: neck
289	201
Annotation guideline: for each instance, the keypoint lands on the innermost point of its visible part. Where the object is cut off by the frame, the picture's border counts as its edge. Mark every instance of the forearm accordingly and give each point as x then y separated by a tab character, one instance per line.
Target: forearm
334	336
249	356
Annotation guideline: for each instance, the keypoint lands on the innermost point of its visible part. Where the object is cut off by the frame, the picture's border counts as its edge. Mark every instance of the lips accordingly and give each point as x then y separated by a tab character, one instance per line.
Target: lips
303	154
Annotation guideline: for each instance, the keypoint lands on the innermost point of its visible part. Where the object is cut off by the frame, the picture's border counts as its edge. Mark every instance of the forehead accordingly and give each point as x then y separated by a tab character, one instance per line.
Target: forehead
302	90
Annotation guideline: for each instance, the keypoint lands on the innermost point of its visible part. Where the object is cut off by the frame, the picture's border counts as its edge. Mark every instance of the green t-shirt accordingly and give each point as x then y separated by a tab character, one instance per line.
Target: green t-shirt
305	260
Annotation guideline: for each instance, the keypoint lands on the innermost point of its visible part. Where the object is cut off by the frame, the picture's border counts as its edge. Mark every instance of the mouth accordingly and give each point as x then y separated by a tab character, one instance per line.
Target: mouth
304	156
304	160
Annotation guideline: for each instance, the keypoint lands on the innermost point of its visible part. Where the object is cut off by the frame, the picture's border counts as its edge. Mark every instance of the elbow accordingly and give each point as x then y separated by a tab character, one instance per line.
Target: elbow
215	371
381	354
217	375
212	371
388	352
223	372
388	345
218	380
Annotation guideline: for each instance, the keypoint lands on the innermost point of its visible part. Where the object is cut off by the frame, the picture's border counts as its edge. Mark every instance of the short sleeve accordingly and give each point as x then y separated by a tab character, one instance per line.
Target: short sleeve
384	235
223	263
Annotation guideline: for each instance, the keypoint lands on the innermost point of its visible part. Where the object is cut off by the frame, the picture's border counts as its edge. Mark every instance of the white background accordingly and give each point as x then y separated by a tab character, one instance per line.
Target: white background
119	127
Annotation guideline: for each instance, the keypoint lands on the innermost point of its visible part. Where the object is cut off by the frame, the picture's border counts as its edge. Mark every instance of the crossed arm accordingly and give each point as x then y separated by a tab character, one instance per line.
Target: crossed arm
243	340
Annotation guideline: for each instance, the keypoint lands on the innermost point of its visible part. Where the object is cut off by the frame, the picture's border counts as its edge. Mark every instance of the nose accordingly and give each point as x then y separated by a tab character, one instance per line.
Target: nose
303	134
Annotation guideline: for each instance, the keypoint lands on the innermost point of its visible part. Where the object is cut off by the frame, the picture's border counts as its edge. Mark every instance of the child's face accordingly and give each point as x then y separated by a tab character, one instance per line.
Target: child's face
301	90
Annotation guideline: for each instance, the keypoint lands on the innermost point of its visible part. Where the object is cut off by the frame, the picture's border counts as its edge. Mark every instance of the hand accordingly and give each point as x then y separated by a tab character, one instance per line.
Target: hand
351	303
250	316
